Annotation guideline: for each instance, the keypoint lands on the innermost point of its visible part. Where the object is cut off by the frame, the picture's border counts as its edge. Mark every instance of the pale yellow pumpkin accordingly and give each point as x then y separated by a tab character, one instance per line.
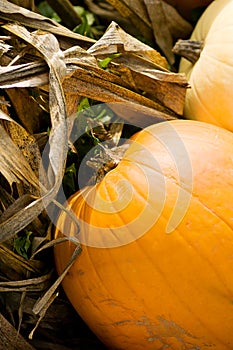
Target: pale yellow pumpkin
210	97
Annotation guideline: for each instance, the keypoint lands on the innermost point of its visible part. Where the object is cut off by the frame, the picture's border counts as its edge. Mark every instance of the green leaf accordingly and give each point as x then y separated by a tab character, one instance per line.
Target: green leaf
47	11
22	243
83	104
105	62
69	180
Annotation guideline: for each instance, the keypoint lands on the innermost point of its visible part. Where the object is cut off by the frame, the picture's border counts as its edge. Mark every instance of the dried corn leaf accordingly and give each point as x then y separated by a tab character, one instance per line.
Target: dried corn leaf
6	199
28	111
28	4
135	12
16	267
156	21
167	88
40	304
48	47
24	75
16	205
10	339
28	147
66	11
13	13
116	40
167	26
86	78
100	85
4	48
143	67
14	171
42	313
28	153
36	284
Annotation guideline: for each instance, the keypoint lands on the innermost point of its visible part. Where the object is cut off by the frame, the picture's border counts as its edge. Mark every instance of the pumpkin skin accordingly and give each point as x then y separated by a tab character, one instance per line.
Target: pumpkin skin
185	7
211	94
160	290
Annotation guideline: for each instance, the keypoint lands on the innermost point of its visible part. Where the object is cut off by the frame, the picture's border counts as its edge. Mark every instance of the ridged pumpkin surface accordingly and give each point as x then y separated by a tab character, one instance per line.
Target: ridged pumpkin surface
211	94
138	283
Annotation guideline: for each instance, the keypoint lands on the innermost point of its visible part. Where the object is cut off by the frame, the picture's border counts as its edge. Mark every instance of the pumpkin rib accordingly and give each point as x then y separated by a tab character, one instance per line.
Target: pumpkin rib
160	273
200	254
109	292
175	182
200	100
186	306
214	213
214	28
188	309
98	275
128	311
123	176
167	282
108	319
159	290
146	308
93	270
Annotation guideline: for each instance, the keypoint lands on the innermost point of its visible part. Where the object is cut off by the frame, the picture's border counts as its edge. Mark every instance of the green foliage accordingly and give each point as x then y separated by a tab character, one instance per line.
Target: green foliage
22	243
46	10
69	179
88	19
105	62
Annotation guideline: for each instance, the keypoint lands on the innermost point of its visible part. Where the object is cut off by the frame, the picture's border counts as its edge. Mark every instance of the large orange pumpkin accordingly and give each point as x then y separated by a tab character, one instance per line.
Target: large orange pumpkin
211	94
156	267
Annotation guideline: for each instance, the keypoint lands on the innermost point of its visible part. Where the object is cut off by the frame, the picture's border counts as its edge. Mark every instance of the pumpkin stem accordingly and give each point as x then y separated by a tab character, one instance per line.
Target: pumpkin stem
105	161
189	49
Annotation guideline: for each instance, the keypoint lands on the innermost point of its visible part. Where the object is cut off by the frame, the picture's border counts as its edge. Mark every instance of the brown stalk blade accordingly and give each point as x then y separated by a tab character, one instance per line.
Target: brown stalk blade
48	47
40	304
135	12
28	110
14	171
116	40
36	284
88	83
66	11
13	13
166	24
24	75
142	67
15	266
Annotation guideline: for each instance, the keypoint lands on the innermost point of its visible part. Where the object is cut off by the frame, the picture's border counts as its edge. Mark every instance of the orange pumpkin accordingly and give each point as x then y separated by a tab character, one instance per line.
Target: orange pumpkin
210	97
185	7
156	265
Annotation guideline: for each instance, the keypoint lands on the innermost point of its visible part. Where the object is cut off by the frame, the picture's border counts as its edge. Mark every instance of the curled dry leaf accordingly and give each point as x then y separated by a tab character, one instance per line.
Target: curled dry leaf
49	48
156	21
116	40
14	13
26	106
66	11
147	69
135	12
167	26
24	75
14	171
